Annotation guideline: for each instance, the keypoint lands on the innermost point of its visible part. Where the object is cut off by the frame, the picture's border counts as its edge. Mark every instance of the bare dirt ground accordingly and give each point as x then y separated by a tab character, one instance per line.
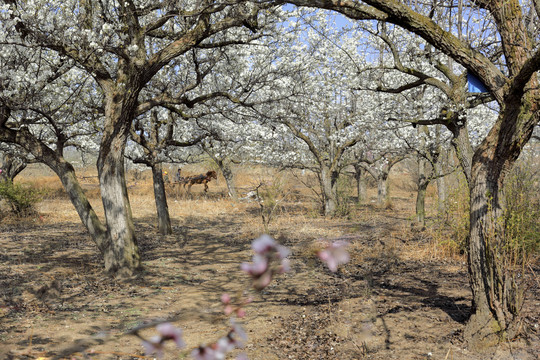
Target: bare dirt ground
396	299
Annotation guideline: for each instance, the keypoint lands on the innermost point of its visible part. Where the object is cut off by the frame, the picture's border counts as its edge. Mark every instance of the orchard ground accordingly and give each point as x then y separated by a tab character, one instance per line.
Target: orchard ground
402	295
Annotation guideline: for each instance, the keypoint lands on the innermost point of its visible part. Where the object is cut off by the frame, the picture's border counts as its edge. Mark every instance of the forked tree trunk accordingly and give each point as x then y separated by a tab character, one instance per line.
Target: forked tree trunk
160	196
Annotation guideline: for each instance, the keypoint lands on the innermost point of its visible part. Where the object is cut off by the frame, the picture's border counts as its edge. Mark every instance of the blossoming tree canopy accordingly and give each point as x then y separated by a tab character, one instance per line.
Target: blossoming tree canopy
122	45
504	56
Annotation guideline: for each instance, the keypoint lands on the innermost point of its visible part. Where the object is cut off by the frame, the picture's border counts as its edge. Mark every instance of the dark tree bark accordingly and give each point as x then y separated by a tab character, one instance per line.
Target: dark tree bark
11	166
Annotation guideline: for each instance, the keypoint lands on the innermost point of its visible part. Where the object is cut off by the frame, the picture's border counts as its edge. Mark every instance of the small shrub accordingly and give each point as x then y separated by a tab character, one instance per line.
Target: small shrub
344	194
453	222
21	199
270	195
522	229
520	221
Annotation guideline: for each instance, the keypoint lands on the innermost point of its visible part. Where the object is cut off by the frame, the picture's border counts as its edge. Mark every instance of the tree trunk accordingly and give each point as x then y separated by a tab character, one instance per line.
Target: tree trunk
382	188
121	253
160	196
229	179
421	203
462	146
11	166
361	188
66	174
497	298
329	189
438	170
441	184
423	182
488	323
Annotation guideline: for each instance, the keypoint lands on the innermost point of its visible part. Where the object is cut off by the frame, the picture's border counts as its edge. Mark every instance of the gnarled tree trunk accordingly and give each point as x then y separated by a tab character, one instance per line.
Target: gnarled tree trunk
67	176
10	166
497	299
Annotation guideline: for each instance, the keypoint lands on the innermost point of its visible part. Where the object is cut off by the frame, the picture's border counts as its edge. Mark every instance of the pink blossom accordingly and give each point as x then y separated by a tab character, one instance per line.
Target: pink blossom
285	266
263	244
258	267
166	331
225	344
334	254
153	346
238	334
225	298
240	313
206	353
169	332
269	259
228	310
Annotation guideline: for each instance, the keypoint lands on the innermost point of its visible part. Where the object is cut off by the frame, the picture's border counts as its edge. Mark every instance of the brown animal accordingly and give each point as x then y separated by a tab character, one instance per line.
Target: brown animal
198	179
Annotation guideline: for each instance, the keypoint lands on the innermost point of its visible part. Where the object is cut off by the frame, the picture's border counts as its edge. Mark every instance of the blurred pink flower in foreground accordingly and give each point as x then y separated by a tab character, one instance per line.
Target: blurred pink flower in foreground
235	306
269	259
334	254
166	331
218	350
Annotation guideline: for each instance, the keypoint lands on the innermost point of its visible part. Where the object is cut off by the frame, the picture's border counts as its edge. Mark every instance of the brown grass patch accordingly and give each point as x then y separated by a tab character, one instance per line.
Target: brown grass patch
396	298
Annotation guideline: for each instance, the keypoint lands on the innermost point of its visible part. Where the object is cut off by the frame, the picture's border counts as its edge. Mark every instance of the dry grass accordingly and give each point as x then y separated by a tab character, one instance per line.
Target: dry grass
399	297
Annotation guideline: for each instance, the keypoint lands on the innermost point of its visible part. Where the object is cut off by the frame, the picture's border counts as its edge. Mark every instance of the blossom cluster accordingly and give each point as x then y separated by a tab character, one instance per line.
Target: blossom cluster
166	332
270	259
334	254
218	350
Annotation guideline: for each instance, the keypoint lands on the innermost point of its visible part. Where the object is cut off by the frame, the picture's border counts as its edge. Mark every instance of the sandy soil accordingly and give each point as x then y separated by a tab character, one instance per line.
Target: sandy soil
395	300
